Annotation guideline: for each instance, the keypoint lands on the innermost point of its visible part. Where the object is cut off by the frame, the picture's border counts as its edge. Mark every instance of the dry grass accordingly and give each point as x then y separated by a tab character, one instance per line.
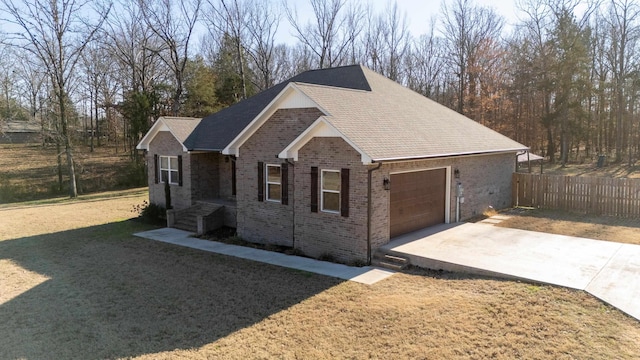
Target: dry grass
621	170
588	226
80	286
29	171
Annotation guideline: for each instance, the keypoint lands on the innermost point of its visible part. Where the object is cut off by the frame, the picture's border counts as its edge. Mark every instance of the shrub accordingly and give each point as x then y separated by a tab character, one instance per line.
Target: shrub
150	213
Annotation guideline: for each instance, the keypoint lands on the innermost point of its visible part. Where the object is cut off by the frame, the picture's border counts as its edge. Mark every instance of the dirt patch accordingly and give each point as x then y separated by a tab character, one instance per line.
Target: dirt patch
563	223
74	283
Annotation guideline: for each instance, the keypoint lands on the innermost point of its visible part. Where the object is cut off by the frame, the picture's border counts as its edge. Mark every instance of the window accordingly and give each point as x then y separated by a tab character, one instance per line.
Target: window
330	200
169	169
274	183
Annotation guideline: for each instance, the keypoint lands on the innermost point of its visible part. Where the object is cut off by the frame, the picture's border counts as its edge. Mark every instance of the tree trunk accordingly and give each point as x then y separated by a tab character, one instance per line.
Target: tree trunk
551	149
241	65
91	117
73	190
564	143
59	160
619	127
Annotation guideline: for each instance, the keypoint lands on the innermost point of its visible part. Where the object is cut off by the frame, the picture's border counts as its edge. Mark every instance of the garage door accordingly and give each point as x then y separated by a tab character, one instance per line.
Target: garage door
417	200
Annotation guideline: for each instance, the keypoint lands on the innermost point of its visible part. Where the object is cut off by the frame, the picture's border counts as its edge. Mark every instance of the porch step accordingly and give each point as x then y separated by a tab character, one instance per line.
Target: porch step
392	262
186	223
187	219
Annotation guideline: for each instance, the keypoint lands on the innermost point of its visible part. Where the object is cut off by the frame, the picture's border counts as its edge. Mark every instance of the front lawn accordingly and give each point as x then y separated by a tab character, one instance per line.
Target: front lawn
74	283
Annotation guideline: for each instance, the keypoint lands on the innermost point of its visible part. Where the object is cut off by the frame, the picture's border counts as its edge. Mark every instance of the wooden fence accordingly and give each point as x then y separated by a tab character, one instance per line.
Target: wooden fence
590	195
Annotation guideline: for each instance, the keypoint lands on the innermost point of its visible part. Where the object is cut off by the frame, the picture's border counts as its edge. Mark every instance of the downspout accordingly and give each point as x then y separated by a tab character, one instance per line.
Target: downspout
369	211
522	153
293	204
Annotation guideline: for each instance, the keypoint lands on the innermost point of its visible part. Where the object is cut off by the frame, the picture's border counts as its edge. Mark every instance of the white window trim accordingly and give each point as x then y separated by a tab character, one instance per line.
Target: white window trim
170	160
323	190
267	182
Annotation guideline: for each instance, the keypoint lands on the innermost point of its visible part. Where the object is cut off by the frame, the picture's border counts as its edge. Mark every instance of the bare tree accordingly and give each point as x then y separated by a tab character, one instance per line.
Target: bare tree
396	38
32	80
96	67
173	23
7	84
331	33
426	64
57	32
132	44
466	27
537	26
229	20
623	32
262	25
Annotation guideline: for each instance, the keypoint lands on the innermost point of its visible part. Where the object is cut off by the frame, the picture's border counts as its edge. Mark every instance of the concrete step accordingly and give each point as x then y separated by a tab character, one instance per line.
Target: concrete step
187	222
388	261
186	227
187	219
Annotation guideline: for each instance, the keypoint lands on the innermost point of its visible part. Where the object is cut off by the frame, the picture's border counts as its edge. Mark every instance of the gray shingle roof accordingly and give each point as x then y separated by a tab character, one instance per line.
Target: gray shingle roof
381	117
393	122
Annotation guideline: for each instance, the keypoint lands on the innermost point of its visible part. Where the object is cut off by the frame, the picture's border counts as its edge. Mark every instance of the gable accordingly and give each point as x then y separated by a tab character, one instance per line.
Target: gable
289	98
319	129
179	128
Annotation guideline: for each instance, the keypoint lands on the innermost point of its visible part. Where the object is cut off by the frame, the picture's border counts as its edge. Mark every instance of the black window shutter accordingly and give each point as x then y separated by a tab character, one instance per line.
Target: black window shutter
180	170
344	192
260	181
314	189
284	178
156	167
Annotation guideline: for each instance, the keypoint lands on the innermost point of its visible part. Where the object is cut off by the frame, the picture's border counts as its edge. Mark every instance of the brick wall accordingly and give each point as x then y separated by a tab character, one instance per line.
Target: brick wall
486	180
164	144
267	221
322	233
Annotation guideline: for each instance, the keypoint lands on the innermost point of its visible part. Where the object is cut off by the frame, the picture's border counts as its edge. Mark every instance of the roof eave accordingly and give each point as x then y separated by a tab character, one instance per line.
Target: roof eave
448	155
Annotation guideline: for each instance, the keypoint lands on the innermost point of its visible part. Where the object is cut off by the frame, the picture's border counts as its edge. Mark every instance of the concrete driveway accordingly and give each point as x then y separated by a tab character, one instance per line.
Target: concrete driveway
610	271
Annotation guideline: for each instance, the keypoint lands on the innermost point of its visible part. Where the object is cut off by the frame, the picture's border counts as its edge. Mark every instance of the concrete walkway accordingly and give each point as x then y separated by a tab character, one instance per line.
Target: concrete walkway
608	270
365	275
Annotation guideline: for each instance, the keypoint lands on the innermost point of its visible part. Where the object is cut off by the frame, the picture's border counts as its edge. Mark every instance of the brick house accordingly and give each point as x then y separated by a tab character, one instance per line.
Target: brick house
331	162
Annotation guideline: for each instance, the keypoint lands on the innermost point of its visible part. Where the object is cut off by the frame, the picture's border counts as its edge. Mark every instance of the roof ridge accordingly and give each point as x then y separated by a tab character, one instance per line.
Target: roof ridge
180	118
329	86
330	68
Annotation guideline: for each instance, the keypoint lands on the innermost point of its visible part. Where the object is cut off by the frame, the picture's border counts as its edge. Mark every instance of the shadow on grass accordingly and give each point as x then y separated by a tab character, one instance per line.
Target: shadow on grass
574	217
109	294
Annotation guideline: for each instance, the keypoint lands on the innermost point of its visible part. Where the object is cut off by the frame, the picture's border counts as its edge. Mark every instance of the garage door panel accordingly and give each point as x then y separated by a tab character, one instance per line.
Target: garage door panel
417	200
